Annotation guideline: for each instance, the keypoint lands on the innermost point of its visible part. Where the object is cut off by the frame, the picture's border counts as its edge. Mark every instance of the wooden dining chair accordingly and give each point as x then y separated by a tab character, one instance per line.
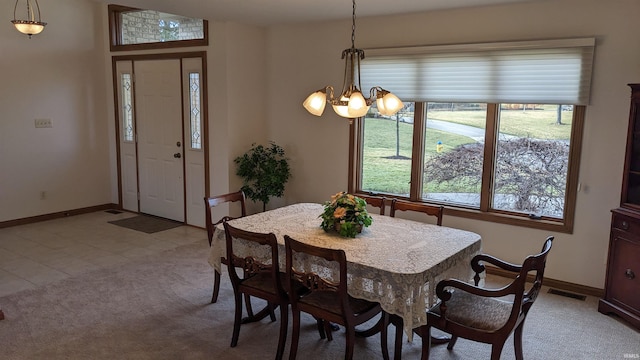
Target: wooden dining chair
327	299
399	205
210	202
482	314
259	279
375	201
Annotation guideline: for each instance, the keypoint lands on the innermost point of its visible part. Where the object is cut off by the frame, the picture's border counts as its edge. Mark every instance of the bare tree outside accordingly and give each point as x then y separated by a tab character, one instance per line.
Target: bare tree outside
530	175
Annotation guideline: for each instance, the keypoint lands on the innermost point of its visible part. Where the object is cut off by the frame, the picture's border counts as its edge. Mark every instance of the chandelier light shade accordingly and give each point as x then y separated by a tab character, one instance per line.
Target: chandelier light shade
352	103
31	23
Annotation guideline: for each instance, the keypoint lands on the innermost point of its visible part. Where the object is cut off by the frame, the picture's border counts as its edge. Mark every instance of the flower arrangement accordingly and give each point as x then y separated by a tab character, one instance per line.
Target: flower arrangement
346	214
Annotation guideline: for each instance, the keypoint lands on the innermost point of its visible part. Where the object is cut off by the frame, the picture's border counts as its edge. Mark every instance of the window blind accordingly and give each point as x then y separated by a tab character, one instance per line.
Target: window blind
530	72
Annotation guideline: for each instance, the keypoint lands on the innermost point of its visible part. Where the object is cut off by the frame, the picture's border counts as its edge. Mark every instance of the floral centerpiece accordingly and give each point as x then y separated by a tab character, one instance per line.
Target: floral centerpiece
346	214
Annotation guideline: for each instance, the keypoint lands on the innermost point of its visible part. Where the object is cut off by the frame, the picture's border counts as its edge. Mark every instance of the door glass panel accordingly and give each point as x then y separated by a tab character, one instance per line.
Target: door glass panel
195	111
454	152
532	158
127	108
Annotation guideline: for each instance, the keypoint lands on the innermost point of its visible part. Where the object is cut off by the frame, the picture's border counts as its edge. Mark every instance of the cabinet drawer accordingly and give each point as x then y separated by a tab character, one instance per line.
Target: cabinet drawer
624	271
626	224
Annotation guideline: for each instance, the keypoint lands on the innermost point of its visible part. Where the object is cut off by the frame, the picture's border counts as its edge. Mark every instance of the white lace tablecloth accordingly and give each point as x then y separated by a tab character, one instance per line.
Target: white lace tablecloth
395	262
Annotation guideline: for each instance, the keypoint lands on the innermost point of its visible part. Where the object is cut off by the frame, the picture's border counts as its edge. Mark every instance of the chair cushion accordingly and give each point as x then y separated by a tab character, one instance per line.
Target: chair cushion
330	301
478	312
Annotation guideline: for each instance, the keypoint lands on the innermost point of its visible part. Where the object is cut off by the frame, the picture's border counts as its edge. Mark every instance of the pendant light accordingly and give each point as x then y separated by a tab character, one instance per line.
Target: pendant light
31	24
352	103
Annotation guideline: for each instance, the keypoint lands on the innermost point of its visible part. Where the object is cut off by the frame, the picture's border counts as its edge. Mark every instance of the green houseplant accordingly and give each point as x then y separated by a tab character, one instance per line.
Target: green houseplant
265	171
345	213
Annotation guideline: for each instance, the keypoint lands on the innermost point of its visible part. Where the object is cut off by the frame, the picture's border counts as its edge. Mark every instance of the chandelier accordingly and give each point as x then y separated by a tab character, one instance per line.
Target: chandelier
351	103
31	24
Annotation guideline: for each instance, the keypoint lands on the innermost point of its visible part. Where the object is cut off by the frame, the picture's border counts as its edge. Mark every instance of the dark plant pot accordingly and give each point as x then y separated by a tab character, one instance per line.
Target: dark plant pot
338	225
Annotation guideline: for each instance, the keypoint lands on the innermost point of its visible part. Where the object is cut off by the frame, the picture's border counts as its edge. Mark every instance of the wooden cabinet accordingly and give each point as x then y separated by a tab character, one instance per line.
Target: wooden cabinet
630	198
622	286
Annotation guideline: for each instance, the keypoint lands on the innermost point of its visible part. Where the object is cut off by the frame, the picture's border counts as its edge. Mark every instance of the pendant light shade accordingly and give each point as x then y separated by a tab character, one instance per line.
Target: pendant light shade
316	102
30	23
387	103
352	103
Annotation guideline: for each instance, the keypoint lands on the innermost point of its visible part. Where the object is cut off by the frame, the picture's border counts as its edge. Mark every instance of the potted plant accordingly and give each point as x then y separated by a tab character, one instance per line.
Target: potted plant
265	171
346	214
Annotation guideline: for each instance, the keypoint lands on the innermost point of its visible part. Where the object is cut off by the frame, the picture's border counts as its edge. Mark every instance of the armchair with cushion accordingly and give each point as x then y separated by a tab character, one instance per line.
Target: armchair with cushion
487	315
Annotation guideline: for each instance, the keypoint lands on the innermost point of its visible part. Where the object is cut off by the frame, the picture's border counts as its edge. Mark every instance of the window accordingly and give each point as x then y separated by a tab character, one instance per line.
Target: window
194	111
135	29
127	107
492	134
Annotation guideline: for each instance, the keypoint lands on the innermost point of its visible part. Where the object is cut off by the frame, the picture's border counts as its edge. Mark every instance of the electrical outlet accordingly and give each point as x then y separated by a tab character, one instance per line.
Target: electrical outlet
43	123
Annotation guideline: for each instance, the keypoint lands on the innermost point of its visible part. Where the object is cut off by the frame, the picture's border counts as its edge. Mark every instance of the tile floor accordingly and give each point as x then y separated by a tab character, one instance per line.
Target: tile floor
37	254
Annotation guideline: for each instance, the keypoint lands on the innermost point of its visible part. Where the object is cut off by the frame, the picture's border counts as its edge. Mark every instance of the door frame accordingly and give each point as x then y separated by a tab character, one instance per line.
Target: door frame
204	115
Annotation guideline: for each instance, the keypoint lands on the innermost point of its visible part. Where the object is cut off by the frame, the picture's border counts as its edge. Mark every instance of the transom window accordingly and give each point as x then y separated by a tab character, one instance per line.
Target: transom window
512	162
135	29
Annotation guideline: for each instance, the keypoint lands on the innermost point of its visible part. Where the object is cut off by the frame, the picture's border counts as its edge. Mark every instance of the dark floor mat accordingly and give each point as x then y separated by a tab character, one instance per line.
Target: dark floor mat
147	224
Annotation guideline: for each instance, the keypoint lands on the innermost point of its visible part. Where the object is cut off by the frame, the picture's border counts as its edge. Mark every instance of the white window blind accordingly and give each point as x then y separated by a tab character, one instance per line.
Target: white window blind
531	72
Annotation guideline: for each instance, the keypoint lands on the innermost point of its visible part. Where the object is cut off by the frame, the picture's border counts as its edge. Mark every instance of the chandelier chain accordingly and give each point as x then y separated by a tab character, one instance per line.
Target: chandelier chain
353	25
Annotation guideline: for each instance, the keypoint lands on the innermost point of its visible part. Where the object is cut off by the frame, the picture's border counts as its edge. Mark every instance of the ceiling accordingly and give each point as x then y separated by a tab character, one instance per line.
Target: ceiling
270	12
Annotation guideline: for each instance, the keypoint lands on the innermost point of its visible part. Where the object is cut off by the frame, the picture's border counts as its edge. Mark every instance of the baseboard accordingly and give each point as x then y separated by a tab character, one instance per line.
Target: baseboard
57	215
558	284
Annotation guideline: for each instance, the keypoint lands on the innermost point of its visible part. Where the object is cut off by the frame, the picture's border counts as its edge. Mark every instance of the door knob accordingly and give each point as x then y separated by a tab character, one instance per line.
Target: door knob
629	274
177	155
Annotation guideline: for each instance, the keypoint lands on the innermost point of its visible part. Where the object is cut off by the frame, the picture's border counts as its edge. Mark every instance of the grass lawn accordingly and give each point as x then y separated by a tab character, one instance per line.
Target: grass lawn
387	167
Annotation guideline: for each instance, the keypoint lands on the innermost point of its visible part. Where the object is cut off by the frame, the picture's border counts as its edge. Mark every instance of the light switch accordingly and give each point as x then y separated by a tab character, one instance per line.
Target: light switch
43	123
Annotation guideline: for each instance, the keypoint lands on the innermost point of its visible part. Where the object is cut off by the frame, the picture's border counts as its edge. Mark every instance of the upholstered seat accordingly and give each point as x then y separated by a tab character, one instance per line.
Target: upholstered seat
477	312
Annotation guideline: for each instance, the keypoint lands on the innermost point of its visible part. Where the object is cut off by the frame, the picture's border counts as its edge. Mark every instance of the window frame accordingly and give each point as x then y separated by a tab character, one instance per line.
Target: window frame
484	212
115	38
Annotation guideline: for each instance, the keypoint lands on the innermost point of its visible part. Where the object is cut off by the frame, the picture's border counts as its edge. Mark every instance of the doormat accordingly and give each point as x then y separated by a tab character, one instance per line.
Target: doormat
147	224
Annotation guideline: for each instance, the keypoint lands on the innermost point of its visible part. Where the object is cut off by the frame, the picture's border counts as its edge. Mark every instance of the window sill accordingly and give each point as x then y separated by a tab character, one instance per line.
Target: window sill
556	226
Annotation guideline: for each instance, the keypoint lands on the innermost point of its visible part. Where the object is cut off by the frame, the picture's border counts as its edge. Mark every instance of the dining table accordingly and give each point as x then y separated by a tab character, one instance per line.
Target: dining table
395	262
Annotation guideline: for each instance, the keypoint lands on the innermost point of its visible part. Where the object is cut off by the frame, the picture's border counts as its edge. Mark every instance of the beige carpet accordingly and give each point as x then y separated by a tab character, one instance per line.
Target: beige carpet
158	308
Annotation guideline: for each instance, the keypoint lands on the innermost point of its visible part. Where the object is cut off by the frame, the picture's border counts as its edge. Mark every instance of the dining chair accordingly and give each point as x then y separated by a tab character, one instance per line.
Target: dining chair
260	279
327	298
375	201
210	202
482	314
399	205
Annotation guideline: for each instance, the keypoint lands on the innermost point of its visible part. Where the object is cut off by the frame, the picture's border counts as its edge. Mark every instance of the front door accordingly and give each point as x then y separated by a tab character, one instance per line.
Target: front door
162	142
159	126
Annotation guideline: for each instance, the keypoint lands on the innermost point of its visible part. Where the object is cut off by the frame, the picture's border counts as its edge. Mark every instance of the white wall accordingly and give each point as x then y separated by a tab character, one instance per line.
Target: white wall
59	75
305	57
245	79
